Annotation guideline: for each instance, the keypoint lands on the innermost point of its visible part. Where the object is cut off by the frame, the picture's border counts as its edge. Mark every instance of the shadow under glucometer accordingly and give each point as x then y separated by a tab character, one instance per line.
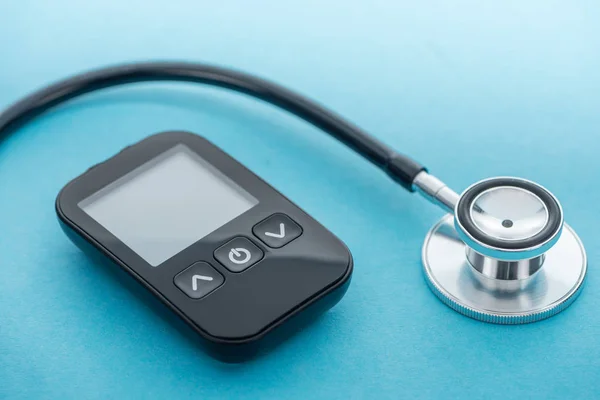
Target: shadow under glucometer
228	353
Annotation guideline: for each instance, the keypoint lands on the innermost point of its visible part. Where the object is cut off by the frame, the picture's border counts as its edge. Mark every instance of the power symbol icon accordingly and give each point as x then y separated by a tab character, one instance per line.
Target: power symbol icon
239	255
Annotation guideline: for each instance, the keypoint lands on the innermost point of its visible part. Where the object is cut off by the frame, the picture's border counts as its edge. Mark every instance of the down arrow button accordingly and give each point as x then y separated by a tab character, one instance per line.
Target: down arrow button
277	230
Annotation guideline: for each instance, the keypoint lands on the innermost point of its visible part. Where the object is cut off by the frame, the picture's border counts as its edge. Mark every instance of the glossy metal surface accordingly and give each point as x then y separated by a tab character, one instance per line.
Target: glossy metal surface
545	293
509	213
503	275
436	191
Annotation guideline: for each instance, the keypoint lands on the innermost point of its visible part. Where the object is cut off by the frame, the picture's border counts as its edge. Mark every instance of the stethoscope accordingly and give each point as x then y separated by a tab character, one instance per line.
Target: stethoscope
502	254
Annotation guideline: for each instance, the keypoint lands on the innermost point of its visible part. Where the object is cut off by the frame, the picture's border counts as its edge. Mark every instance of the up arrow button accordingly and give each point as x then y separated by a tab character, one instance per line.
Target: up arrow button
277	230
198	280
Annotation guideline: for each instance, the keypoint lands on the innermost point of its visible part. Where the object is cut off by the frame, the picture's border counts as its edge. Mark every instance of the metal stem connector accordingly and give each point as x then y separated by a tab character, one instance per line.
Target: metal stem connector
436	191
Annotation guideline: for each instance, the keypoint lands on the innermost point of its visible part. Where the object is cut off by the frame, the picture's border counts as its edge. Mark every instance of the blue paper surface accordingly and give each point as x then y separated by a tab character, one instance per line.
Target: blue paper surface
472	89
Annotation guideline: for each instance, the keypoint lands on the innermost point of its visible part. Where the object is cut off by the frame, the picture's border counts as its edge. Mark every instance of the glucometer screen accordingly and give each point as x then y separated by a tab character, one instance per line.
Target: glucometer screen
167	204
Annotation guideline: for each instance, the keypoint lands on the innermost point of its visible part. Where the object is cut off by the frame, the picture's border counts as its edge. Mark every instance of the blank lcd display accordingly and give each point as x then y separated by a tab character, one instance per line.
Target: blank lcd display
167	204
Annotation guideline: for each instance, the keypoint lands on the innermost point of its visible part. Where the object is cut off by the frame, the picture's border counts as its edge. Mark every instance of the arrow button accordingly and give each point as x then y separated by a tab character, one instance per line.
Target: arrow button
198	280
278	235
277	230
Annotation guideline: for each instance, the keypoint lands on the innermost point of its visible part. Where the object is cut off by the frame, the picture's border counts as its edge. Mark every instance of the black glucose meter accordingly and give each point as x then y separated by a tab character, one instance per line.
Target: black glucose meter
223	249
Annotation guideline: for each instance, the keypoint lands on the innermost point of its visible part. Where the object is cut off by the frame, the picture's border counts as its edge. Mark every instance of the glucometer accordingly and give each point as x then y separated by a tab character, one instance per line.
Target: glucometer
223	249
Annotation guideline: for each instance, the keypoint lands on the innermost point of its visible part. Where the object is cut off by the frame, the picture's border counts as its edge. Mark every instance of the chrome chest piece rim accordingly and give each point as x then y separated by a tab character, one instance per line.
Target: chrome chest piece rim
508	218
460	286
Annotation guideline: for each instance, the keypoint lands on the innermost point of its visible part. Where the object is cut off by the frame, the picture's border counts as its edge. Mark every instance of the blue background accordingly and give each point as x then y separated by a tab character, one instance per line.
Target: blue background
473	89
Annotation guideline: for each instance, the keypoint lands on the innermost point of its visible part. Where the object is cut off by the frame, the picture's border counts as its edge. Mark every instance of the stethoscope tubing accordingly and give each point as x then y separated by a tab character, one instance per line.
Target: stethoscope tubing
401	168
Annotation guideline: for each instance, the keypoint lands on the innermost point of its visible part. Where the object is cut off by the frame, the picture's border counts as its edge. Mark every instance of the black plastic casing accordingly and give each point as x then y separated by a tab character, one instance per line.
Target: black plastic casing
252	311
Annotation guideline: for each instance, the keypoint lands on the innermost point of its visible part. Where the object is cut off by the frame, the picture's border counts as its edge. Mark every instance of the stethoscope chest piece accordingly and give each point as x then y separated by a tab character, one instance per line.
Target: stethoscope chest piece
506	256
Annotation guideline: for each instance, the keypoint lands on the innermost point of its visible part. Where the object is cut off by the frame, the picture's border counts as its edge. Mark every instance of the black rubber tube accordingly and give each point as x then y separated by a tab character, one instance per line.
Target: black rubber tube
401	168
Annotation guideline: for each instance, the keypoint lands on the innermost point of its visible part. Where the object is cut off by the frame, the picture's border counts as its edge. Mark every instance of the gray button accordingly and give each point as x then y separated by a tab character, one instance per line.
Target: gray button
277	230
238	254
198	280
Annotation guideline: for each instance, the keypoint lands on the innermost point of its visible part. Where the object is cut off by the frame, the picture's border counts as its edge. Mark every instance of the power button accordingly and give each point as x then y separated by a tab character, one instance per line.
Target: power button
238	254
